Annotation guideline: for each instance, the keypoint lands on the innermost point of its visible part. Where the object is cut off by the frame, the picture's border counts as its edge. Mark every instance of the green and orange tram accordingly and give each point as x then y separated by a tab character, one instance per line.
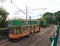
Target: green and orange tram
19	28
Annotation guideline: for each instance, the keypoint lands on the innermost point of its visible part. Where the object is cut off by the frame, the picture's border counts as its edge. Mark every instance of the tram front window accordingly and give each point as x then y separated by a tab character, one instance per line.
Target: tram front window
15	30
11	30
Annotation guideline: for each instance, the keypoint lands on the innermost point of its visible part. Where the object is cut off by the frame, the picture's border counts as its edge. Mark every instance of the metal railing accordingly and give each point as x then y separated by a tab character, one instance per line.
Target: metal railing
55	37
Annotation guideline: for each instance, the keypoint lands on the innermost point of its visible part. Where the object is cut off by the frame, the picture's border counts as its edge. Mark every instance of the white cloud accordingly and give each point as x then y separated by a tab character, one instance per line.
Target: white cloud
51	5
2	1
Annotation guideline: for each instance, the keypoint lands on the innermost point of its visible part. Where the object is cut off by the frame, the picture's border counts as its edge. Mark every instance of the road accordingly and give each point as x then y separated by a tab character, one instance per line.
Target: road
36	39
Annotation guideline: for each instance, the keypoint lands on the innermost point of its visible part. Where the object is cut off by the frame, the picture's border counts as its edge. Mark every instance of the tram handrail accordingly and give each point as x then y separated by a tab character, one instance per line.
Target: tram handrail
55	37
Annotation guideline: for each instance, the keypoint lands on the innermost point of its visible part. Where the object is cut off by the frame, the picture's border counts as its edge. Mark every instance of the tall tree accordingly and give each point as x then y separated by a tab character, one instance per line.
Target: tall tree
48	17
57	16
3	16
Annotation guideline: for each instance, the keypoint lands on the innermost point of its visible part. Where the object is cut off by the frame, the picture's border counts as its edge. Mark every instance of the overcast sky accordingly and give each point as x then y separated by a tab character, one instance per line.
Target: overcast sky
43	5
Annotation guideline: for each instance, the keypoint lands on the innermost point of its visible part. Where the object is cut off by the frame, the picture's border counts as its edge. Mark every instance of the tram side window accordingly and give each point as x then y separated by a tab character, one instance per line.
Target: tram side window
27	27
37	25
22	28
17	30
32	26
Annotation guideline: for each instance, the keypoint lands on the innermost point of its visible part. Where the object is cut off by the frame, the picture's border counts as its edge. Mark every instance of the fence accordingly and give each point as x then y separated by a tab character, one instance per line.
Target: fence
55	37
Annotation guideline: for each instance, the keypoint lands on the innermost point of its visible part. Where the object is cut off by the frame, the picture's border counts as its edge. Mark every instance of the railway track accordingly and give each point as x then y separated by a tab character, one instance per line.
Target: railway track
32	39
4	42
34	43
30	43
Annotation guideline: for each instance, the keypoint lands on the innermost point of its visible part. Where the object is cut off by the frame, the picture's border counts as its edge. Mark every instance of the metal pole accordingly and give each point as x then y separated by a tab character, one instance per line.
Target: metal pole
26	12
26	16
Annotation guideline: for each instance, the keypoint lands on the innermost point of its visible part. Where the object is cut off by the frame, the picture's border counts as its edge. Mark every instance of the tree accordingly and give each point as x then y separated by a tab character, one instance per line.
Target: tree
3	13
57	16
43	22
48	17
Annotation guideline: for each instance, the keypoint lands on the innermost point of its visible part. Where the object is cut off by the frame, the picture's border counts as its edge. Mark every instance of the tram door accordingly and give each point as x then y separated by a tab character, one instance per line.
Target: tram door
32	28
37	28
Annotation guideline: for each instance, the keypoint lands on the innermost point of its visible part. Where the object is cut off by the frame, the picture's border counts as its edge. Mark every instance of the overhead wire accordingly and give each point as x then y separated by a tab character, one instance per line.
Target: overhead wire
27	9
17	7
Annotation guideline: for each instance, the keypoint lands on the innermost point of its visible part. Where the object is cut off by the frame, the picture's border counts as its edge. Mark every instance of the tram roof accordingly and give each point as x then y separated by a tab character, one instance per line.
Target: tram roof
24	19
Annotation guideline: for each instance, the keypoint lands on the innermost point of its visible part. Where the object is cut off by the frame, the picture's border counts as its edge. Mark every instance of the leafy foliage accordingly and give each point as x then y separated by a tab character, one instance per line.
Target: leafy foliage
48	17
43	22
57	15
3	13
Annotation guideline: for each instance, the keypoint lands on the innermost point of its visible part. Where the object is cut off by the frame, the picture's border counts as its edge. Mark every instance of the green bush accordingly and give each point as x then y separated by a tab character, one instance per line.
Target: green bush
43	22
3	23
